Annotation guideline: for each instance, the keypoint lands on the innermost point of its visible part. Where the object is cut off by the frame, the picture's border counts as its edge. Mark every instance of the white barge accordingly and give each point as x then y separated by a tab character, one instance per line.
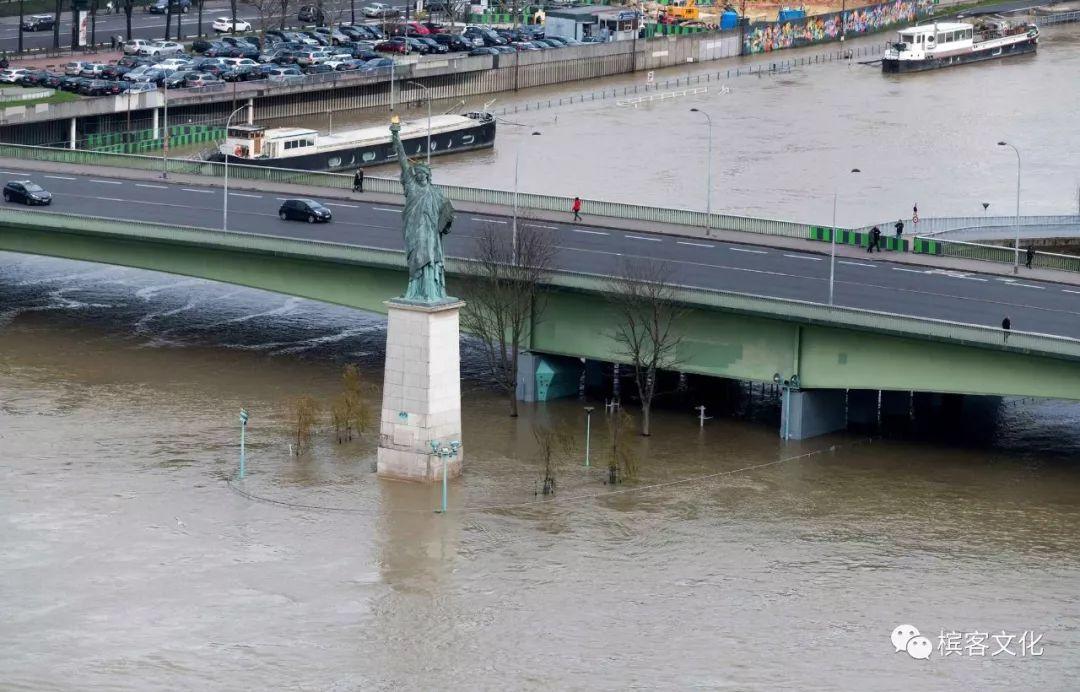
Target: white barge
304	149
932	46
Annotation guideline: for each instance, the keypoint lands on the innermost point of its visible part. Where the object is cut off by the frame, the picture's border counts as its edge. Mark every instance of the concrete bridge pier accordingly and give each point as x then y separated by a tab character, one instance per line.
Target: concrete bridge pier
806	413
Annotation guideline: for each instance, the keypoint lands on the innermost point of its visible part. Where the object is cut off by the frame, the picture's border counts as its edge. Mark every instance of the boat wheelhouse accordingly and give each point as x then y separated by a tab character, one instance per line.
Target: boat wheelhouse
932	46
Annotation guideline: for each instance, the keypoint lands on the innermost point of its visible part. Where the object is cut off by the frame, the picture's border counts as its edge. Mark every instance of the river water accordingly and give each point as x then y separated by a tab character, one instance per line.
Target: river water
130	562
784	143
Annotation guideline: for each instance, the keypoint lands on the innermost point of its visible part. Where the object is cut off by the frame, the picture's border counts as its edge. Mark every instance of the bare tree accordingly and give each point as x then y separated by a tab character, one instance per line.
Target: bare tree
552	447
503	297
643	298
265	10
56	24
622	459
284	8
306	411
129	7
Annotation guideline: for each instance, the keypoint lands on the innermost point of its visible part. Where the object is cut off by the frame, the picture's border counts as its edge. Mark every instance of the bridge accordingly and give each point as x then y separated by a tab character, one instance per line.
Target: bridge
754	312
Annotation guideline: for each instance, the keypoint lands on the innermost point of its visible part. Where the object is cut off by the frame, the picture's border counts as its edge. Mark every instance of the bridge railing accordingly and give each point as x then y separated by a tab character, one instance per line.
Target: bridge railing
551	203
995	253
941	224
791	310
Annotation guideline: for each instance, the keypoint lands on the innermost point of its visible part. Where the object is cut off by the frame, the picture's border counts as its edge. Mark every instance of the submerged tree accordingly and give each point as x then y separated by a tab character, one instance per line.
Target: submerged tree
645	334
306	413
350	411
622	462
503	297
552	447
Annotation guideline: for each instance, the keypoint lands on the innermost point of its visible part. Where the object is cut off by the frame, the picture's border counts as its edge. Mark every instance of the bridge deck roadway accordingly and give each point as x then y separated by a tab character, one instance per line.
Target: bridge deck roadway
940	288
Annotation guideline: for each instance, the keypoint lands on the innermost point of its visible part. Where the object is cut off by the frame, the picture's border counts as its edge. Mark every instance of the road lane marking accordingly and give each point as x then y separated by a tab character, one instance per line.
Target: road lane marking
683	242
203	192
476	218
755	252
60	177
1065	290
805	257
582	230
641	237
1014	283
913	271
392	211
338	204
111	199
156	187
537	225
106	182
242	194
857	264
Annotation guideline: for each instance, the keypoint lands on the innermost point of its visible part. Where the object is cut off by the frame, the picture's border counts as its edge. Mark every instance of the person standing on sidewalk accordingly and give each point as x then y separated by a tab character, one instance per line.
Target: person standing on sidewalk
899	228
1006	325
1030	256
576	208
358	181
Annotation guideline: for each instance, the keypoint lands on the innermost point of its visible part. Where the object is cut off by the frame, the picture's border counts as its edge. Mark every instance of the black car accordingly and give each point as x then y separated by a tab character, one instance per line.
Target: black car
483	51
434	45
31	78
71	84
453	42
418	46
311	13
114	71
38	22
26	192
318	69
303	210
162	7
489	37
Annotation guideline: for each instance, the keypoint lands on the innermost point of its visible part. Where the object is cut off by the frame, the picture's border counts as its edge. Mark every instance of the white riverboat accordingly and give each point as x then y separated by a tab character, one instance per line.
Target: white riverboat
931	46
306	149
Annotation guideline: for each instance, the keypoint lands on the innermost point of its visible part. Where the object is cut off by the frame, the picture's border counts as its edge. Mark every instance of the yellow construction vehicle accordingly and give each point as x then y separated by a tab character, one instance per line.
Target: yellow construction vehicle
679	11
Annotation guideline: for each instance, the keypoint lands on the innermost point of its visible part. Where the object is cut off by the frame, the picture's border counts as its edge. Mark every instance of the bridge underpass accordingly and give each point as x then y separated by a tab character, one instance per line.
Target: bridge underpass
820	351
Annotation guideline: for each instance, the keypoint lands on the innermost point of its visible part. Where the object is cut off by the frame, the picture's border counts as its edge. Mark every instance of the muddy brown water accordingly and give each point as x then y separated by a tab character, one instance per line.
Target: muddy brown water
736	562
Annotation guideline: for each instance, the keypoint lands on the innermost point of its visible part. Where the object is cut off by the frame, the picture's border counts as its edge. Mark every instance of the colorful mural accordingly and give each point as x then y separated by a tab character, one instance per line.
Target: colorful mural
770	36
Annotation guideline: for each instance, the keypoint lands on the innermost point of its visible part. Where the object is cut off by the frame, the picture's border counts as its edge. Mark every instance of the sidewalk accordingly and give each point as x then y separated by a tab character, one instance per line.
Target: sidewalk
780	242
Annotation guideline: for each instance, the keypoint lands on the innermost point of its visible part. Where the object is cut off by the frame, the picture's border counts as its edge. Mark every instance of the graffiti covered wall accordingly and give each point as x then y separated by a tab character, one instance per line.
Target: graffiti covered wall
764	37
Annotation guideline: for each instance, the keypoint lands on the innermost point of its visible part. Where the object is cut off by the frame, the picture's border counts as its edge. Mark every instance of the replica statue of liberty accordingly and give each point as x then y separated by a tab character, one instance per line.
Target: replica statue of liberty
426	219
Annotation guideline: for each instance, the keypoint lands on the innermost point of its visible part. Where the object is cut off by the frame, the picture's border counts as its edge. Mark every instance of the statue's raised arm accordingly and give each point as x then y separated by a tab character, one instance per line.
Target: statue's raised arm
399	149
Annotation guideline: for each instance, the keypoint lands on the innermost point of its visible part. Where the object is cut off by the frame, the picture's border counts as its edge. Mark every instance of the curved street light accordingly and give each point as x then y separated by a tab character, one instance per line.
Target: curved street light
1016	247
832	238
708	173
514	225
225	204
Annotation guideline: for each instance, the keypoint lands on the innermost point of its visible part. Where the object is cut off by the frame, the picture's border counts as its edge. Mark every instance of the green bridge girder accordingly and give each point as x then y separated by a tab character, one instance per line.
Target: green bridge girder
577	322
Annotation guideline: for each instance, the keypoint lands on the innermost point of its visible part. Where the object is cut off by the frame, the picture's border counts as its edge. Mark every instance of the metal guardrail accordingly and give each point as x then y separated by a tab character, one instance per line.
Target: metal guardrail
1058	18
941	224
618	210
1001	254
792	310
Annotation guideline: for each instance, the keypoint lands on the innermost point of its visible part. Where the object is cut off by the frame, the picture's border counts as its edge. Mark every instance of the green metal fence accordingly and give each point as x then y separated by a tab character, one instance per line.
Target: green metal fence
142	141
791	310
858	239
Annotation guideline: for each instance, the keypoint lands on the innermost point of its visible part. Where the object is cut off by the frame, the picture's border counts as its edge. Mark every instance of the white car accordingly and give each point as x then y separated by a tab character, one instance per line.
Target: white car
239	62
224	25
133	46
172	64
161	49
9	76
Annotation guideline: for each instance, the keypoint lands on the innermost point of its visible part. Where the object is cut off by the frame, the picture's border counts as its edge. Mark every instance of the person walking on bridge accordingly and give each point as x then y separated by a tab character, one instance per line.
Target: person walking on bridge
1006	325
576	208
899	228
1030	256
875	239
358	181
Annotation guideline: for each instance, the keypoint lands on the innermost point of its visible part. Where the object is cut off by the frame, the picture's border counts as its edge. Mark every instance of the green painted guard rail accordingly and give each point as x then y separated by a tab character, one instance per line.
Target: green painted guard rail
790	310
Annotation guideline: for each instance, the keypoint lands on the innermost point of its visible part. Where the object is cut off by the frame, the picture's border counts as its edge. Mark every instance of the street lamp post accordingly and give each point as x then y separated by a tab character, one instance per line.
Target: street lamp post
427	97
708	174
832	239
225	204
1016	247
165	132
514	224
243	429
445	453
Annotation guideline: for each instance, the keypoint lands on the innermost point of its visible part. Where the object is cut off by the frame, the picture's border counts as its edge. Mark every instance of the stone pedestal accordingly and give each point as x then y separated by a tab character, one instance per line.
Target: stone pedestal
421	390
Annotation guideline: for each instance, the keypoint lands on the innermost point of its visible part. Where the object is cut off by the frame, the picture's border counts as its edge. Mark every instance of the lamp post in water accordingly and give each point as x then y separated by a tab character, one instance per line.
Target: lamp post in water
1016	247
445	453
514	223
832	237
225	204
708	174
243	429
588	432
